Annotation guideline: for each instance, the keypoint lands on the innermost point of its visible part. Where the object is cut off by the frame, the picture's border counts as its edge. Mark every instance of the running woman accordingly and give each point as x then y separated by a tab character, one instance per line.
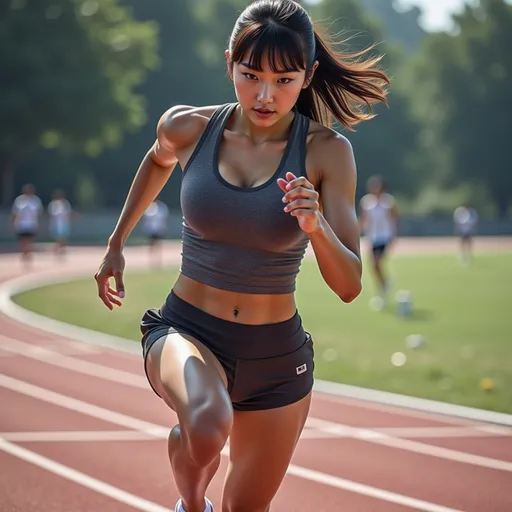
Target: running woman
262	177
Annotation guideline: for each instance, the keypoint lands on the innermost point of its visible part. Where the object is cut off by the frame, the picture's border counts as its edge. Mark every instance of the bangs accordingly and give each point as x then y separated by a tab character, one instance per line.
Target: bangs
283	48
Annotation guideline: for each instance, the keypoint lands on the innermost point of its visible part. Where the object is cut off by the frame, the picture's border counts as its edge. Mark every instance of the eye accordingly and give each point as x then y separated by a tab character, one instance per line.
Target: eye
285	80
250	76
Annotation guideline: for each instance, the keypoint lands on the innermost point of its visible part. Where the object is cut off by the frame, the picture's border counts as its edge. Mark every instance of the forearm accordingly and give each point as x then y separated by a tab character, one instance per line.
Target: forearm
147	184
340	267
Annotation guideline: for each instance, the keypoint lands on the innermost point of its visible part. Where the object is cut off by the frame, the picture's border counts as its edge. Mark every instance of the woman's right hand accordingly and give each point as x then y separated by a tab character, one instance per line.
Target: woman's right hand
111	266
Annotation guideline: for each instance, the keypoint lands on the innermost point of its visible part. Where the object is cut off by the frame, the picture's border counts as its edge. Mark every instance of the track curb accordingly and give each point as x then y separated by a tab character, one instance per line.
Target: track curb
12	287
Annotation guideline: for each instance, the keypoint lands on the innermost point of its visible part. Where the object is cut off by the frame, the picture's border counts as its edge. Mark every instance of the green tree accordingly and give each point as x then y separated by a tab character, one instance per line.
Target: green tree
463	83
180	78
70	72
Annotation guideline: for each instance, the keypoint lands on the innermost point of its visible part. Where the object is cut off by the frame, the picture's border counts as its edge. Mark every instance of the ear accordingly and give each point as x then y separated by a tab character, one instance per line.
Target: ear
311	73
229	64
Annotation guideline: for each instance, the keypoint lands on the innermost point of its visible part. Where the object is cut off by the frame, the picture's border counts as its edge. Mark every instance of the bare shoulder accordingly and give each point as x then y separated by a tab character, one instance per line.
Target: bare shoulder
182	125
331	152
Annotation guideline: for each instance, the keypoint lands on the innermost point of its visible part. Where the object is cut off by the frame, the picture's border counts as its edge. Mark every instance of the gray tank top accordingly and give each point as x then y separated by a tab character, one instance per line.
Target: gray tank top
235	238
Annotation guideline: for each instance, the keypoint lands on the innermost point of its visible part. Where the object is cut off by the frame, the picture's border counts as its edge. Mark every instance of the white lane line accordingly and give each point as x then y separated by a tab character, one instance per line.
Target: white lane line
73	404
65	436
367	490
436	432
444	453
80	478
376	437
123	420
81	436
337	429
45	355
405	432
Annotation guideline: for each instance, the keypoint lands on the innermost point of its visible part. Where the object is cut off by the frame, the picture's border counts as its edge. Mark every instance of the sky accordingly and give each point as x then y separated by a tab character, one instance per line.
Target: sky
436	13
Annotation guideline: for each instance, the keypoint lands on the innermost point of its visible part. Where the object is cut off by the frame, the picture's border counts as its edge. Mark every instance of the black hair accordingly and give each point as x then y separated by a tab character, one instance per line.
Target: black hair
344	86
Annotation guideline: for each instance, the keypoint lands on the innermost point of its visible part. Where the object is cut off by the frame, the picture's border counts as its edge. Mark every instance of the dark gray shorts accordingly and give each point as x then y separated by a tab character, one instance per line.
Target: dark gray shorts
267	366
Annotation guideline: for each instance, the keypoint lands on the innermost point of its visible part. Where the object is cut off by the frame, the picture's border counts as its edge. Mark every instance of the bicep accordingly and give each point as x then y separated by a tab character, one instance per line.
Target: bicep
338	191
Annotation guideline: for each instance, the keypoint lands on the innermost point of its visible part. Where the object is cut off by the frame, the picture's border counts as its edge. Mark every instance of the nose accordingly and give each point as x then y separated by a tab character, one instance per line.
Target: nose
265	94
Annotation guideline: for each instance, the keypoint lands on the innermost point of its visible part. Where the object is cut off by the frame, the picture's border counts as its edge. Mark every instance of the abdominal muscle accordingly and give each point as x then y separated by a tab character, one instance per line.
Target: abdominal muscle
243	308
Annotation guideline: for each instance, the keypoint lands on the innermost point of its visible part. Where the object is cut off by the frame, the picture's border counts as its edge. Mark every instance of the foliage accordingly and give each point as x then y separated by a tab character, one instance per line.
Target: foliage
71	68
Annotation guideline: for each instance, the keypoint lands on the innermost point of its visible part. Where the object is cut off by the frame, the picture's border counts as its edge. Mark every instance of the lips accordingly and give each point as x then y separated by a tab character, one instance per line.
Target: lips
263	113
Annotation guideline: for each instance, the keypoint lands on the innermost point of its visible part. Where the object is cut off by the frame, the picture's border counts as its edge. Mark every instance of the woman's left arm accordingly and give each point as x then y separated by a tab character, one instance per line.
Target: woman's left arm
334	229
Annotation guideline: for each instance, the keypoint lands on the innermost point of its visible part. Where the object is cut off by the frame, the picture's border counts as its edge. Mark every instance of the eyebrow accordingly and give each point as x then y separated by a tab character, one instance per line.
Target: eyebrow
254	68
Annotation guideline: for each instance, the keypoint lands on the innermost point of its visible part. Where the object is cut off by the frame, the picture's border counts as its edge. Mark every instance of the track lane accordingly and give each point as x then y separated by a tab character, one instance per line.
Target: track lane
359	461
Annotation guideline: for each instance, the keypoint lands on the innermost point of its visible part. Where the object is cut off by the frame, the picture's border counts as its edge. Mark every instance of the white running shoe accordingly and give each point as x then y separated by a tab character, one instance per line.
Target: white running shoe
208	508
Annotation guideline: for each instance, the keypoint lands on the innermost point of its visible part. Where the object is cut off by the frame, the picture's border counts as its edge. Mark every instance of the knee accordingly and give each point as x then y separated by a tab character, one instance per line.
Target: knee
206	430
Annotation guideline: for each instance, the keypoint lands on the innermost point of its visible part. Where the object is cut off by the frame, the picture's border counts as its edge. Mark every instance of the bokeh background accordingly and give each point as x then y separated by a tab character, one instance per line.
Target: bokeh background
84	82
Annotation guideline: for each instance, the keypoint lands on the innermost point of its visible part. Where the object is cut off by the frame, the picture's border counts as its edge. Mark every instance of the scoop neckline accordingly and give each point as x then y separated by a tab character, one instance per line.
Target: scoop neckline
277	172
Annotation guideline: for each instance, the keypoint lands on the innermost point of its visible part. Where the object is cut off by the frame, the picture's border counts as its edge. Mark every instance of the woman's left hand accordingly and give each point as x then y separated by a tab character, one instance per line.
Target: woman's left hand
302	201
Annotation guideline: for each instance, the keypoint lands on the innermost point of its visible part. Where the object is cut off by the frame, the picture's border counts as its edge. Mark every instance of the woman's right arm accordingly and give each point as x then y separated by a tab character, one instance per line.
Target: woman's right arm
176	129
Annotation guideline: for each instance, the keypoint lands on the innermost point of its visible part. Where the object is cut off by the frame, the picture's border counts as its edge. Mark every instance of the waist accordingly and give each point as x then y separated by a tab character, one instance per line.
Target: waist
243	308
231	339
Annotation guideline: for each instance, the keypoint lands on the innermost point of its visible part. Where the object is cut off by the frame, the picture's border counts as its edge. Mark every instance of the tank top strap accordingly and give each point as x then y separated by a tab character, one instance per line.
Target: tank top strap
207	143
295	158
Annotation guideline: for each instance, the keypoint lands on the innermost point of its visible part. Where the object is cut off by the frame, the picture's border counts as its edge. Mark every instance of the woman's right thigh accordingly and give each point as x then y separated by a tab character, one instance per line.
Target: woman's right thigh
187	375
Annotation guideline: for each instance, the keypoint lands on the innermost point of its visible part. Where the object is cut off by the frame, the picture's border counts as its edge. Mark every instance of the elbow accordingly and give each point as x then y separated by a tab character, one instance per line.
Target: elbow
347	296
350	293
351	290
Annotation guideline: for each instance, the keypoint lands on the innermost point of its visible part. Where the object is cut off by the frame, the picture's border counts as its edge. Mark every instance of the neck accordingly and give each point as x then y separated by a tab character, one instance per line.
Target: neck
260	134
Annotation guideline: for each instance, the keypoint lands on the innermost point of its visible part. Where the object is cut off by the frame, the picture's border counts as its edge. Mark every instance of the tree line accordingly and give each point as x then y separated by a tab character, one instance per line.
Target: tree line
85	81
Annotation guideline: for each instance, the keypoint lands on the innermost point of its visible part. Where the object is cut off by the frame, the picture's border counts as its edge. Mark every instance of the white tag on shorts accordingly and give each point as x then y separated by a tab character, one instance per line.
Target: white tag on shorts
301	369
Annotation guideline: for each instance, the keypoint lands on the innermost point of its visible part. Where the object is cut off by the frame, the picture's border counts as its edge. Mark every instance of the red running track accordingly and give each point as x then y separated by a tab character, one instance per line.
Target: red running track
80	430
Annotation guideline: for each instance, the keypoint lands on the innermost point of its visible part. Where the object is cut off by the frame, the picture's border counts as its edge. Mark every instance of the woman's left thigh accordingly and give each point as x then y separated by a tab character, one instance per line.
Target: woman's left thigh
261	448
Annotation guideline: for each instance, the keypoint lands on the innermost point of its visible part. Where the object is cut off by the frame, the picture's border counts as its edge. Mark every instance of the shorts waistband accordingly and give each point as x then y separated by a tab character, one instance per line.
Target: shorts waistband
234	339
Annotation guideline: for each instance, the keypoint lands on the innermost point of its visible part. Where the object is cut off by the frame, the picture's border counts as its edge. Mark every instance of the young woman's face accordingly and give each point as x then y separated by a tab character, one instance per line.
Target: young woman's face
266	96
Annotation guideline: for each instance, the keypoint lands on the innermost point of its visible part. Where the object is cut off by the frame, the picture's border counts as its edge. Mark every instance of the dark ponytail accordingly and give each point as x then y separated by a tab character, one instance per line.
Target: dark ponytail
345	86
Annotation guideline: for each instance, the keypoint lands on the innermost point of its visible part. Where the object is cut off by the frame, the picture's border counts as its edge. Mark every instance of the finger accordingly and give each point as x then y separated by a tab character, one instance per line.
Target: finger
301	203
299	182
290	176
113	300
102	291
118	277
300	192
282	184
111	291
105	301
304	212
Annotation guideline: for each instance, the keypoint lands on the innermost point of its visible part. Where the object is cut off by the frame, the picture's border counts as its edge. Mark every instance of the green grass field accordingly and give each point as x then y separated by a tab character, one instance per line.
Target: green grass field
461	312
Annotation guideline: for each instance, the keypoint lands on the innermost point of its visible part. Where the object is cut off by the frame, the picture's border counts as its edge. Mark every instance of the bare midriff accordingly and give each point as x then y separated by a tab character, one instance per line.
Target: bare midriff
243	308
